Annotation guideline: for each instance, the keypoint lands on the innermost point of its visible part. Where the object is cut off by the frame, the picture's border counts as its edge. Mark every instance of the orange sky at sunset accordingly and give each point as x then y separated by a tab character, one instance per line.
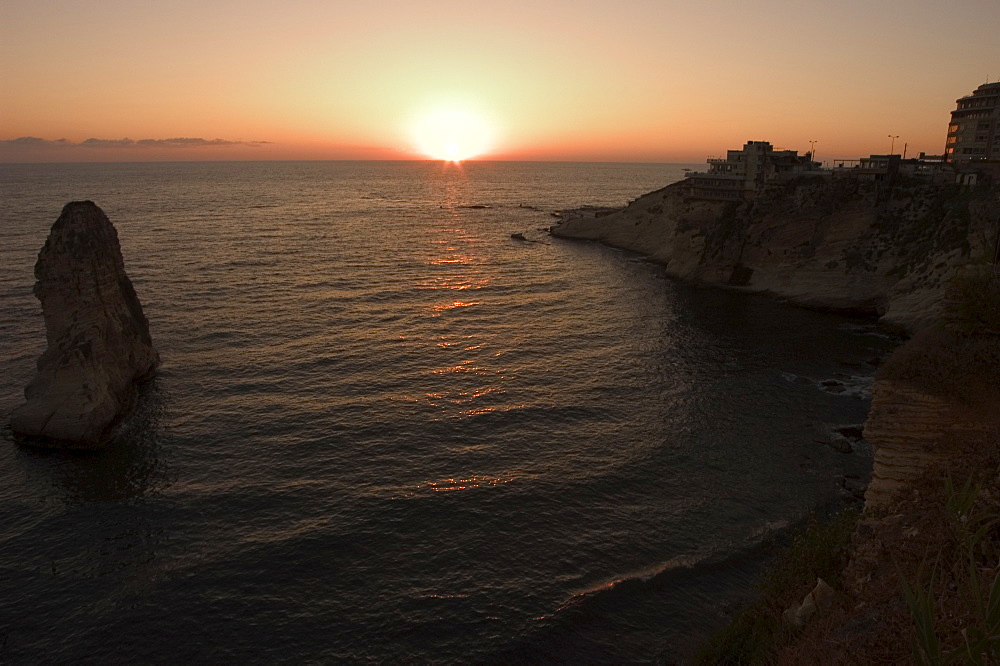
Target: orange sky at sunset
583	80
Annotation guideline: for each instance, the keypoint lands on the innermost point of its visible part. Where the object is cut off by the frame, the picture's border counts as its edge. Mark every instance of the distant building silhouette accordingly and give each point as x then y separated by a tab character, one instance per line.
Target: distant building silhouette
743	173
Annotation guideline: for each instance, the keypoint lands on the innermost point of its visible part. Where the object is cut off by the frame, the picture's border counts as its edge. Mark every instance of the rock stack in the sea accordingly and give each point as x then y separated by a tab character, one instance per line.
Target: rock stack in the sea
99	348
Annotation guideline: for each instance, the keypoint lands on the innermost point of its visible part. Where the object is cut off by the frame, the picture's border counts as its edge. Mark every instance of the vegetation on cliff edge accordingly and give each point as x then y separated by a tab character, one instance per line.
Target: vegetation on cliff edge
960	357
757	632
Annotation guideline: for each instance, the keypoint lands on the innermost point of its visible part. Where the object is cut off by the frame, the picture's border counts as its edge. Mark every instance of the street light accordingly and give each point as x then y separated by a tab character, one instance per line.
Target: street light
812	149
892	144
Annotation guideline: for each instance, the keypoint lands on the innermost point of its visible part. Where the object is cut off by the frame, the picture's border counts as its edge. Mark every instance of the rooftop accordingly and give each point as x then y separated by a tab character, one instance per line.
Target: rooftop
985	89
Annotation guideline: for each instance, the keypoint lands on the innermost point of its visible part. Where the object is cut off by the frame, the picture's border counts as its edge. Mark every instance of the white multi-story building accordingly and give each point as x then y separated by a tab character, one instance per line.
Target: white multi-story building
974	132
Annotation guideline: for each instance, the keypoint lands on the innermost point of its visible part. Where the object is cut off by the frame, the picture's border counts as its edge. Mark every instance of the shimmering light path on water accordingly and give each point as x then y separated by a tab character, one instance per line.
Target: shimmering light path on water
384	430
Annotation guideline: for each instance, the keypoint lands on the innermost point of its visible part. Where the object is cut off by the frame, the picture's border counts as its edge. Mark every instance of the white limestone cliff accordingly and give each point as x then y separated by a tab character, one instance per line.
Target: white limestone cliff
841	245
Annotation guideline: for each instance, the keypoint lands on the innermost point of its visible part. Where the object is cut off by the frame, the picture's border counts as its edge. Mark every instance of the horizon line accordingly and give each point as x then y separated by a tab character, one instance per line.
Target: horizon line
403	160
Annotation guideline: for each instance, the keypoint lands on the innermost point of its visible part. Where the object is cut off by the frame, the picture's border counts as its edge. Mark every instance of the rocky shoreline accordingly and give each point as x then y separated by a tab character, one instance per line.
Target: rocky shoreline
920	257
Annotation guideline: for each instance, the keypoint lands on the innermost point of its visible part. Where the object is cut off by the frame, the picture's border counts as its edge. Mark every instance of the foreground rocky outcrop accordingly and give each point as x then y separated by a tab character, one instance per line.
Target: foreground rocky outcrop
99	347
929	522
937	395
847	245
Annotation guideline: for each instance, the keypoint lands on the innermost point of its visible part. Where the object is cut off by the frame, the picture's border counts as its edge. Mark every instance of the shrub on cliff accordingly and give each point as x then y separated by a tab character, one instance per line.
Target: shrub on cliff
757	632
972	303
959	358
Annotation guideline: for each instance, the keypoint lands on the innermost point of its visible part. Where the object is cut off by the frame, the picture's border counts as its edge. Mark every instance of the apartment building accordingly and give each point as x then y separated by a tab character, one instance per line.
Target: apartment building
974	132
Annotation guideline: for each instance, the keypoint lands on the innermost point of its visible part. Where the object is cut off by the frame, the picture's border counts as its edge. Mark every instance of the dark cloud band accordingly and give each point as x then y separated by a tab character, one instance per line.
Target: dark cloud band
178	142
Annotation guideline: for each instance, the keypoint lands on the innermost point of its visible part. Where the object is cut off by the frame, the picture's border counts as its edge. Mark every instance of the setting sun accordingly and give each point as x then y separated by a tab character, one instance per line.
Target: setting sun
452	135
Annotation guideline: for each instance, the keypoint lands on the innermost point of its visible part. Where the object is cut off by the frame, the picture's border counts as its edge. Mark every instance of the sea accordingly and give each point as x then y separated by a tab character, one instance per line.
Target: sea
385	431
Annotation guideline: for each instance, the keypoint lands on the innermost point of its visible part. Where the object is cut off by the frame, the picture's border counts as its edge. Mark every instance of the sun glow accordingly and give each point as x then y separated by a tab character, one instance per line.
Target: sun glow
452	135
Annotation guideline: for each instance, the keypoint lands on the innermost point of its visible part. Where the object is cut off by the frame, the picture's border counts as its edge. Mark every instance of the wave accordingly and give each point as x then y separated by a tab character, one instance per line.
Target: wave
680	565
682	597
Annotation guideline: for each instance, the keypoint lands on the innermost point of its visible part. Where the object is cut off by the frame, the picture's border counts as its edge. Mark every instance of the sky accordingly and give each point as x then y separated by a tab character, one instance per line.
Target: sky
594	80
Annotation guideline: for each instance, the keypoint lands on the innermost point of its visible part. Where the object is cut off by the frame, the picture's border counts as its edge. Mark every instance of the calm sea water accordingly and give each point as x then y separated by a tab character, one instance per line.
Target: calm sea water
385	431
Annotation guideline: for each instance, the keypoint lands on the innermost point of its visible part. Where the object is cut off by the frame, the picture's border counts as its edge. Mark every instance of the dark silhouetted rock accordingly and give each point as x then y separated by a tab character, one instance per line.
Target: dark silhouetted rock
99	348
854	432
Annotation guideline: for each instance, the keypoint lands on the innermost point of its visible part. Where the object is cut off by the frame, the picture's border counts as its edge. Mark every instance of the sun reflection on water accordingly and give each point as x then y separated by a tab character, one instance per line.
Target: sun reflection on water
449	485
453	259
466	366
460	397
455	282
455	304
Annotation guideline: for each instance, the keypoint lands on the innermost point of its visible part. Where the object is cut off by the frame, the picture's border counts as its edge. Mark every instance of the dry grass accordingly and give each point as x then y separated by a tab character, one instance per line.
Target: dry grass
924	538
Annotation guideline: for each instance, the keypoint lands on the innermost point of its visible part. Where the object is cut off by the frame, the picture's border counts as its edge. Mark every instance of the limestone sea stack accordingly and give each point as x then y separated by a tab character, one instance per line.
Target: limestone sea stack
99	348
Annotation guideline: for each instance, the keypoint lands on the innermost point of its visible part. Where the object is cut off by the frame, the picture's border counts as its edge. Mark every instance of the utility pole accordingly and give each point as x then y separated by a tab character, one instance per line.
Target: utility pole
892	144
904	150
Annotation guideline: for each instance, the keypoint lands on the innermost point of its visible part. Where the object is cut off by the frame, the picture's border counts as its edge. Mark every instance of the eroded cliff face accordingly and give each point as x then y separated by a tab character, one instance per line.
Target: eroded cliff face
843	245
99	346
913	432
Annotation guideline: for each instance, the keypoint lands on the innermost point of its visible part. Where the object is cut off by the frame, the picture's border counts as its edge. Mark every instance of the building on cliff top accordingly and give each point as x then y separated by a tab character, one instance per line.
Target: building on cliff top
881	168
974	132
743	173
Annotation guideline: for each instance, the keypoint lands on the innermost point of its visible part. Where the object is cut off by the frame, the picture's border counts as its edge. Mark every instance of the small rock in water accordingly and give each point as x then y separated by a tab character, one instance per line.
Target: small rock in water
854	432
99	347
840	445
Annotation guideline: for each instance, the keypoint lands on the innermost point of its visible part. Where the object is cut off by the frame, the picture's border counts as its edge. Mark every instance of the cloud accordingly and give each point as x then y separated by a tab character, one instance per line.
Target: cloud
178	142
34	142
107	143
187	142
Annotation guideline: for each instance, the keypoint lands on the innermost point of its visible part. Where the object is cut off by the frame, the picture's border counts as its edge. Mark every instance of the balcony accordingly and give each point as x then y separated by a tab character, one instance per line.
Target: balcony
718	176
